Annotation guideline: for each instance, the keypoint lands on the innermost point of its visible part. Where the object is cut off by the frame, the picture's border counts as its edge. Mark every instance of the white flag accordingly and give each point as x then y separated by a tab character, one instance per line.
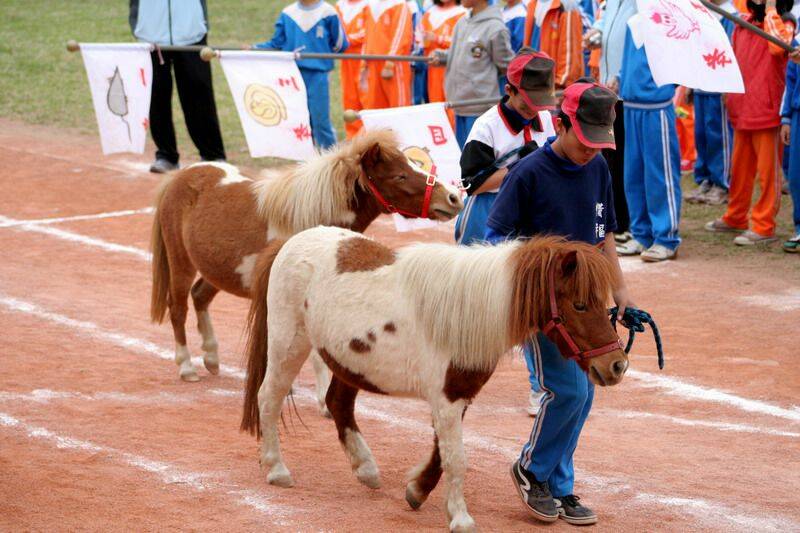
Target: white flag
270	97
120	78
427	139
686	45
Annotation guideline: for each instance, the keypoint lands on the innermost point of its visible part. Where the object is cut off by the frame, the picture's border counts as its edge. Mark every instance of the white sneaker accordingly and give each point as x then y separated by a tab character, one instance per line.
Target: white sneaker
749	238
658	253
632	247
534	402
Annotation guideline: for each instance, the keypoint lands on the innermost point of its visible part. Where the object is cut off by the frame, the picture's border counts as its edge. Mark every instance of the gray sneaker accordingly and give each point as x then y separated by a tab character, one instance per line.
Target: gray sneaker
716	196
694	196
751	238
570	509
719	226
535	495
162	166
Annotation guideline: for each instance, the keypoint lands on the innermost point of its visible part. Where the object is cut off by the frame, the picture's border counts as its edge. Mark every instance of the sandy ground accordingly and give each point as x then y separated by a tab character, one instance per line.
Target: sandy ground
97	432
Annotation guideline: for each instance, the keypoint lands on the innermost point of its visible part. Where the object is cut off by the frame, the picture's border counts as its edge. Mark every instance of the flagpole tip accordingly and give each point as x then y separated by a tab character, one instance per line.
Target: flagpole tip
207	53
73	46
350	115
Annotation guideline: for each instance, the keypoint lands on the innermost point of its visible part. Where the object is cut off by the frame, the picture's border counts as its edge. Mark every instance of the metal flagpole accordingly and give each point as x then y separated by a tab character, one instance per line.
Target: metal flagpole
207	53
744	24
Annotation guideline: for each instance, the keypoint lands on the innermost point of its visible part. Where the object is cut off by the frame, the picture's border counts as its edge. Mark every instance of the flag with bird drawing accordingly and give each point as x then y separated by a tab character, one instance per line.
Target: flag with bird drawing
686	45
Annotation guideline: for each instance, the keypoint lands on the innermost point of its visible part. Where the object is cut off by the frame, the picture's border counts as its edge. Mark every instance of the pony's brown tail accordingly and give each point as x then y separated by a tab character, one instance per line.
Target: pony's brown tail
160	291
257	336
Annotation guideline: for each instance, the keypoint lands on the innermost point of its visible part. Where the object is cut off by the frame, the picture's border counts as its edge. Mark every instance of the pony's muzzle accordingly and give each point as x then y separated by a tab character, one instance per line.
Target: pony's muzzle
446	203
609	369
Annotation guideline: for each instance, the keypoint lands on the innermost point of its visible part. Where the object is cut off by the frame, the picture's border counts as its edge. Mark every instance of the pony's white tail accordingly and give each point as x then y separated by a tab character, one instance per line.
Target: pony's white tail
257	336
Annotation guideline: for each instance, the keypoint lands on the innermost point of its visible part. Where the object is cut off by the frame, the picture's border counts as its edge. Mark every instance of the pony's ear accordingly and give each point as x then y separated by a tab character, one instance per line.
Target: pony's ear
371	156
569	263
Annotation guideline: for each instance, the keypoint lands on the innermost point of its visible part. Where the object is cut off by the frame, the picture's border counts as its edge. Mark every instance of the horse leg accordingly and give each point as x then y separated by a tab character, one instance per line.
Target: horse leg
323	378
286	354
424	477
447	424
341	400
180	284
202	294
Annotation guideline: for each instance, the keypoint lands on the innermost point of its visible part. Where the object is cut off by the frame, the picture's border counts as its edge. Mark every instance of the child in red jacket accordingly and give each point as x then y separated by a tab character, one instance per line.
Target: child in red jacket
755	116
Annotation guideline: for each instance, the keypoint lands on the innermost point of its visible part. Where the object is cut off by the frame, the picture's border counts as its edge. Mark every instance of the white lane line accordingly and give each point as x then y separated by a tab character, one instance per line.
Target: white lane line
367	406
125	168
167	473
754	362
713	424
44	396
78	238
674	386
111	214
713	514
783	301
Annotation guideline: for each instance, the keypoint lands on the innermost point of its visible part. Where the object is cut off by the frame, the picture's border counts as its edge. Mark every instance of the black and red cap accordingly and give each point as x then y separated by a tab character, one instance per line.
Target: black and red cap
532	74
590	108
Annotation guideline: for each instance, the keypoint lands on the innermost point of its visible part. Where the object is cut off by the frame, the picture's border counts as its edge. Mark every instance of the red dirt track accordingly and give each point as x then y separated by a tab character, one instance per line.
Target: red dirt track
98	433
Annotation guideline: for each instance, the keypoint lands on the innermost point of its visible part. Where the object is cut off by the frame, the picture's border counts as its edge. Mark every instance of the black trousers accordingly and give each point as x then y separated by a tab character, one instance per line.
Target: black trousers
615	160
196	93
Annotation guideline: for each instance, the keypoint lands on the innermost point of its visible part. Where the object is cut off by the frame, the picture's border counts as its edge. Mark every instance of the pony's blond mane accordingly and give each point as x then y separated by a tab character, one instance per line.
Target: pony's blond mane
318	191
460	297
475	303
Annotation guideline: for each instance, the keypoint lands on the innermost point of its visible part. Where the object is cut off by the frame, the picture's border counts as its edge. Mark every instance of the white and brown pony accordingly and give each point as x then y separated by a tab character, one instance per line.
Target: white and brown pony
430	321
213	220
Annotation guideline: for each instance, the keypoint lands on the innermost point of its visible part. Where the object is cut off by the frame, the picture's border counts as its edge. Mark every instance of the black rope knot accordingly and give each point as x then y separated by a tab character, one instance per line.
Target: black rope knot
635	320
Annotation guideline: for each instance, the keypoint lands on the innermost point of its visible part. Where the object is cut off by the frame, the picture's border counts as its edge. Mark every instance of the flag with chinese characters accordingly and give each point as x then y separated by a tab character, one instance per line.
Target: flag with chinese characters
120	79
270	97
686	45
428	141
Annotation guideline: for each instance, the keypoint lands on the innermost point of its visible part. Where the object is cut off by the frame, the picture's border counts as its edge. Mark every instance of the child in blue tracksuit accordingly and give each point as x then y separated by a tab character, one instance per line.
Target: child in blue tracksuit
652	159
713	136
790	135
312	26
564	188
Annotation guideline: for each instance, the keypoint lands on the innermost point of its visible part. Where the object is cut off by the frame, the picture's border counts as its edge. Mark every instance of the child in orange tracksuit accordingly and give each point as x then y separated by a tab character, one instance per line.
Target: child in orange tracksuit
555	28
351	13
389	31
437	34
755	116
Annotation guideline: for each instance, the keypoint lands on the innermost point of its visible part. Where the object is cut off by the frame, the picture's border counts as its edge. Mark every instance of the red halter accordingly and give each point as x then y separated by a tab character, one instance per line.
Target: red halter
557	323
430	183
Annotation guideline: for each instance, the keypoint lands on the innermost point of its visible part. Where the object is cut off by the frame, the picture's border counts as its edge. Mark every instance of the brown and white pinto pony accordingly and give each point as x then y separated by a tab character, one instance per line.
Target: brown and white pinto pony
429	321
213	220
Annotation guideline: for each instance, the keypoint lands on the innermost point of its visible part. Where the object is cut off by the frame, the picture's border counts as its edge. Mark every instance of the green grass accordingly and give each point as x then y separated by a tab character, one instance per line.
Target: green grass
42	83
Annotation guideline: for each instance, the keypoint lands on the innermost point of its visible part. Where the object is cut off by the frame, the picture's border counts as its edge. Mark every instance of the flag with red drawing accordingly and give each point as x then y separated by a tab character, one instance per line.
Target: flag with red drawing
427	139
270	97
686	45
120	79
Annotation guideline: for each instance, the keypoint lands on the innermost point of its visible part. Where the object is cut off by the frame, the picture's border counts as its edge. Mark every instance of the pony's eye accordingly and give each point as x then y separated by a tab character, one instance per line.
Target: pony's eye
579	306
399	178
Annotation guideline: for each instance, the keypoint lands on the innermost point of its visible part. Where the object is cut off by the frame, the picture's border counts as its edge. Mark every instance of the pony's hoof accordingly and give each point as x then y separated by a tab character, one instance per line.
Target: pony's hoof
190	376
212	365
463	525
325	412
414	497
368	474
280	477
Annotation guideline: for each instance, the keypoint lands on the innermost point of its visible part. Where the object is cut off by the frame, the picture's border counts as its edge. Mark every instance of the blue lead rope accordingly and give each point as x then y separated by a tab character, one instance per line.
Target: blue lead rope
635	320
